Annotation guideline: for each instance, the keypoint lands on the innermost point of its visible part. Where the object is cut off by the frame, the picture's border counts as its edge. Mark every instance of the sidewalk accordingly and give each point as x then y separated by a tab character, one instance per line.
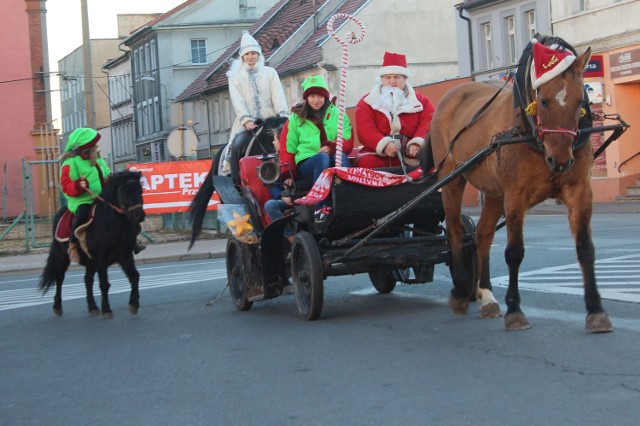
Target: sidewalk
215	248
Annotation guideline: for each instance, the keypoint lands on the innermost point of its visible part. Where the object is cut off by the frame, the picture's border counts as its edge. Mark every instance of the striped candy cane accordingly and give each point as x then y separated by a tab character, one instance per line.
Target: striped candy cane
351	38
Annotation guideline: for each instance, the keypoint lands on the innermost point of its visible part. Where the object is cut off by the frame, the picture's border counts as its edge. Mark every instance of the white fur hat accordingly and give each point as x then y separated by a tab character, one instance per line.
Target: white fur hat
249	44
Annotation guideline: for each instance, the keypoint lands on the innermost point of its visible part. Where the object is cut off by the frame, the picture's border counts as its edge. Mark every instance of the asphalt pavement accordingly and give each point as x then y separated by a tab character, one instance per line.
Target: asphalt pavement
215	248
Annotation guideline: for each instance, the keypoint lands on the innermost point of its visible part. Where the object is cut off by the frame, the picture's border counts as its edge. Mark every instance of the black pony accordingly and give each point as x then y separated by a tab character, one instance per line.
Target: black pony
258	141
110	239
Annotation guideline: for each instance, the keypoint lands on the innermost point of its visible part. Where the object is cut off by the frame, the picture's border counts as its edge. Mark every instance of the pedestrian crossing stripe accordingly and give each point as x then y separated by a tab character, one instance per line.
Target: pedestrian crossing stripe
618	278
20	298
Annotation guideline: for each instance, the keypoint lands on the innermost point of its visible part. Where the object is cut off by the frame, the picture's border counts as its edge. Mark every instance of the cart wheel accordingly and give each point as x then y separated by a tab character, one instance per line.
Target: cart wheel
383	281
236	276
470	254
307	277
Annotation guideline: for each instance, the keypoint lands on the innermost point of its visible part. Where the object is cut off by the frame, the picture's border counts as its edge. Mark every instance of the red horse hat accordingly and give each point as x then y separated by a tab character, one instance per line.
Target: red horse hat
548	62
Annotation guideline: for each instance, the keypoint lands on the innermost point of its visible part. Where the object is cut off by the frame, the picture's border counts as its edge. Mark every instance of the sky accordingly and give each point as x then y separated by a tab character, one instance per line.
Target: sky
64	27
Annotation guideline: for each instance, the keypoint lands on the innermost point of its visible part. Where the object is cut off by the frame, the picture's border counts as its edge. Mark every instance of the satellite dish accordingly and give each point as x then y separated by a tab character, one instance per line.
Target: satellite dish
182	142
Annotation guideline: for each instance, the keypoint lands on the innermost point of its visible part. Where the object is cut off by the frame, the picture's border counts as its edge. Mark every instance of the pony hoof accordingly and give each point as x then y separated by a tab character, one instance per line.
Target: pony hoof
458	306
516	321
490	310
133	309
94	312
599	323
57	312
107	315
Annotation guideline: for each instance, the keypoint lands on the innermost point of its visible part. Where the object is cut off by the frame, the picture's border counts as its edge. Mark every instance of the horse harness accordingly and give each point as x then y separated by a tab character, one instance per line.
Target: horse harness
118	209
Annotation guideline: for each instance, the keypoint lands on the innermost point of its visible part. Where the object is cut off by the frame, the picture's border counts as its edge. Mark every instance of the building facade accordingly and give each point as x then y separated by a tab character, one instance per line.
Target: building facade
27	130
74	85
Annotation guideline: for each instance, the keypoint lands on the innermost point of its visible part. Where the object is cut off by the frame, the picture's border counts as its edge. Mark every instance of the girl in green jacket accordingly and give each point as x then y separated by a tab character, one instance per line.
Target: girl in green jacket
308	140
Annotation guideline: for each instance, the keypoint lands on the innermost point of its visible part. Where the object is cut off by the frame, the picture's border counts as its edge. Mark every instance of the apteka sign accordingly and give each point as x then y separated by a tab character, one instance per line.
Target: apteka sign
170	187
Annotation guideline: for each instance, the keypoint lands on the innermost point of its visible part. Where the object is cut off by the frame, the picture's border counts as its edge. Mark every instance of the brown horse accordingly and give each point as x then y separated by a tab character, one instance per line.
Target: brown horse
520	175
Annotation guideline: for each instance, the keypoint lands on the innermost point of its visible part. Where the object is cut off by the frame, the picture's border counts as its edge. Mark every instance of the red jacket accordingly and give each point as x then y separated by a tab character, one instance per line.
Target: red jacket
374	126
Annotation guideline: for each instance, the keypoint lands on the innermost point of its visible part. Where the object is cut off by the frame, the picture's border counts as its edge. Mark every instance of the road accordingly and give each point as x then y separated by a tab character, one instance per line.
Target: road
401	358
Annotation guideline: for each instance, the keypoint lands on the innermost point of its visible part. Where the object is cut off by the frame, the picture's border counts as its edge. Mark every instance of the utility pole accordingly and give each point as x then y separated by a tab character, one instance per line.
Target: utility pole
88	73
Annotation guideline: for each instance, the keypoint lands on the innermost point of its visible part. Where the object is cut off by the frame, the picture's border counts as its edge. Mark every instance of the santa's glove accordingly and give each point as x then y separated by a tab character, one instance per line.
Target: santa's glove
82	185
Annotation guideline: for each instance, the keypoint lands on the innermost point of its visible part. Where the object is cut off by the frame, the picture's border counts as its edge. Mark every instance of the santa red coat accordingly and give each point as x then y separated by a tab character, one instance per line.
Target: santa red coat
375	127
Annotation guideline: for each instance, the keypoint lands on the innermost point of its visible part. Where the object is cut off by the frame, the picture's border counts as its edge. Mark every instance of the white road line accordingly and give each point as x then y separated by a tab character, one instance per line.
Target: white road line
530	312
20	298
618	279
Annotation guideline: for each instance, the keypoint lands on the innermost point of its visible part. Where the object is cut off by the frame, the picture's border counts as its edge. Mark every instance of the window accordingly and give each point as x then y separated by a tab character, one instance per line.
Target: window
511	39
488	44
198	52
531	22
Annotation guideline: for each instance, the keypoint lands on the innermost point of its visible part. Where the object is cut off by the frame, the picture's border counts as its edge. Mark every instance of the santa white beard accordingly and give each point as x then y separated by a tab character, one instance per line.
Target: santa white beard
391	100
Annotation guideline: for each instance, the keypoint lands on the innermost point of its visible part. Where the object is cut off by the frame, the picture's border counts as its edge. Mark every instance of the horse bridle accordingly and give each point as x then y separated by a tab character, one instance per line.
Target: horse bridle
118	209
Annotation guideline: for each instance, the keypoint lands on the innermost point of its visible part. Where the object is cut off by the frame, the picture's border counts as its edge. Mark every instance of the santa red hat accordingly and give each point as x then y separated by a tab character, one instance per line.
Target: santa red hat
394	63
548	62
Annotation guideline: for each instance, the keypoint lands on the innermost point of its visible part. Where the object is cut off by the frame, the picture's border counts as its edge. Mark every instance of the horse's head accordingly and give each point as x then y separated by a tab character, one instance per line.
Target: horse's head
557	82
129	195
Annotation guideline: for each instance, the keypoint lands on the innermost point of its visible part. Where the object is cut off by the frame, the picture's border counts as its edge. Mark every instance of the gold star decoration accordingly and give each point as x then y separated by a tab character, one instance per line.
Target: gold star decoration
240	224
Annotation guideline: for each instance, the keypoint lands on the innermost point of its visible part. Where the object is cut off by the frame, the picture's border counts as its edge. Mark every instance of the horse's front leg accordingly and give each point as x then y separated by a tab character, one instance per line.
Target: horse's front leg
89	274
514	319
491	213
580	223
104	290
129	267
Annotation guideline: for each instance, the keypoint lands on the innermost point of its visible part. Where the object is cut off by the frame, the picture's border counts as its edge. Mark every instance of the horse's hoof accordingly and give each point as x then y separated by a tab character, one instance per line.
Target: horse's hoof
458	306
133	309
107	315
599	323
516	321
94	312
57	311
490	310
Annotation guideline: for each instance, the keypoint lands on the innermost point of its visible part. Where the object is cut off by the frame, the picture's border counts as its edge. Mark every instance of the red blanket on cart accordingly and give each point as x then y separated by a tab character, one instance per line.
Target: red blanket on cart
322	187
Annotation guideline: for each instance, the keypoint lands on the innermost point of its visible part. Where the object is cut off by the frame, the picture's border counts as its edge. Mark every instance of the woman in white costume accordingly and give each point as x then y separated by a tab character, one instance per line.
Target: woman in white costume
255	91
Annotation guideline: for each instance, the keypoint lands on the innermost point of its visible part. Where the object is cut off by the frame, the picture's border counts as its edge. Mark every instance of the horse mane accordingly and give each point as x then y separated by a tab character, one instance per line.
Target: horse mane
110	189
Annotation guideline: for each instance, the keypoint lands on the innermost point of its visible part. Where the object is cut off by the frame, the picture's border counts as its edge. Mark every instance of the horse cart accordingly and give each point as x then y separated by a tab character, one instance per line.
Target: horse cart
394	233
539	130
355	238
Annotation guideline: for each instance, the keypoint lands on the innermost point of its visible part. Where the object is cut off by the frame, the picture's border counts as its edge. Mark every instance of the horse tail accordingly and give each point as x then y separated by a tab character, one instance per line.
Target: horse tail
57	261
199	204
426	160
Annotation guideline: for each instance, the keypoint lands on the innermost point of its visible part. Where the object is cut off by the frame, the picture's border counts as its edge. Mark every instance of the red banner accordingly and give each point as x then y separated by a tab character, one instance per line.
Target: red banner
367	177
170	187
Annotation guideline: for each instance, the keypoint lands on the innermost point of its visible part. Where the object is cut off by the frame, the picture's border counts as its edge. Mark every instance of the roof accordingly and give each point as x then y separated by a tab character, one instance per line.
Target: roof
272	30
310	52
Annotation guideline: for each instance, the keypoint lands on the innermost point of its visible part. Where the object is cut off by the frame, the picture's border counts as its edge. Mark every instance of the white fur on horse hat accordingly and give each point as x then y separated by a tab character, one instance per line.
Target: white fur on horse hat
394	63
249	44
548	62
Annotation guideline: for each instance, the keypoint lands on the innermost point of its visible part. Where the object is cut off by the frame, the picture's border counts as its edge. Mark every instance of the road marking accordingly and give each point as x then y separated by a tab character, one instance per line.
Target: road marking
629	324
618	279
20	298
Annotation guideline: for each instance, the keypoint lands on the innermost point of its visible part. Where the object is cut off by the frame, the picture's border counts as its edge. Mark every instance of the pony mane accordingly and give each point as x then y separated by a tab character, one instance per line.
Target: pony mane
115	180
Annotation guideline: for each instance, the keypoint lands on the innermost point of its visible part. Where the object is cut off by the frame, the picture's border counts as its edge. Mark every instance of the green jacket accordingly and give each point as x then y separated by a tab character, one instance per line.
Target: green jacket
79	167
303	140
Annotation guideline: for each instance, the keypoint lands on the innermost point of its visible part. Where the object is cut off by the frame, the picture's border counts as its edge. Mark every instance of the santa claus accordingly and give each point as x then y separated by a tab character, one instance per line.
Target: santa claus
392	120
